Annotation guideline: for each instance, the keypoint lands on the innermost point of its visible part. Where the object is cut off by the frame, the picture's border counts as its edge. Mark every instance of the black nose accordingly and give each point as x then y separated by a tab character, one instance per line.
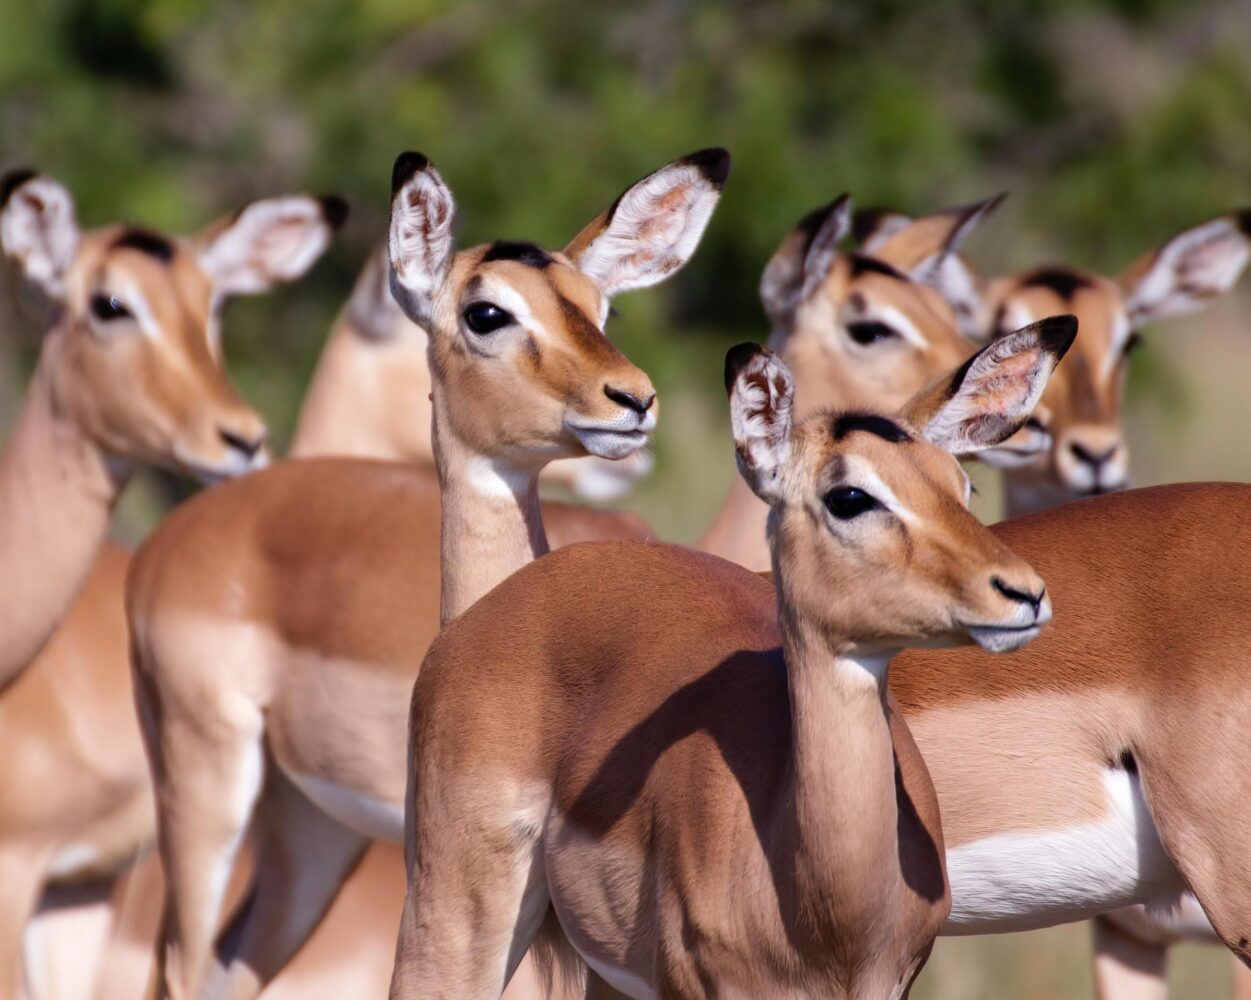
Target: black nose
1020	596
629	400
248	446
1089	457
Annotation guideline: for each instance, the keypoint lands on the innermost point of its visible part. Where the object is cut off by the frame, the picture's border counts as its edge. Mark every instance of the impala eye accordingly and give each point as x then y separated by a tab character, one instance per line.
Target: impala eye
846	502
107	308
869	332
483	317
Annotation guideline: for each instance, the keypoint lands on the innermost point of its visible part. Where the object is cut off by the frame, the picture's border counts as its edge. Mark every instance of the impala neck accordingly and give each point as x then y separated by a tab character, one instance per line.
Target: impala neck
491	523
1026	491
369	396
844	811
57	492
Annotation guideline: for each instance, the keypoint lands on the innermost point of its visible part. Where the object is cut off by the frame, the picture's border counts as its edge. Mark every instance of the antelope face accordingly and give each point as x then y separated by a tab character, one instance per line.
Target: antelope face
522	369
522	337
134	350
870	527
1084	401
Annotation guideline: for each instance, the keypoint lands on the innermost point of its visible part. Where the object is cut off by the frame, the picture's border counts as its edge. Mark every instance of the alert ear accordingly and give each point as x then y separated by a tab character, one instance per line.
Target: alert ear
762	391
871	227
1190	269
991	396
38	230
270	242
653	228
801	264
421	247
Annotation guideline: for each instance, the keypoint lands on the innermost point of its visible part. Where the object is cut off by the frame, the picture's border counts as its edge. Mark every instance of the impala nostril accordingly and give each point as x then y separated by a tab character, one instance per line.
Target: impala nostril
1083	454
1019	596
639	405
248	446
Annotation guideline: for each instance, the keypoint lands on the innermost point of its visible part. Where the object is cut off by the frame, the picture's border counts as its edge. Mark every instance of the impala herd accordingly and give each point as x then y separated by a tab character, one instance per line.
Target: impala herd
779	762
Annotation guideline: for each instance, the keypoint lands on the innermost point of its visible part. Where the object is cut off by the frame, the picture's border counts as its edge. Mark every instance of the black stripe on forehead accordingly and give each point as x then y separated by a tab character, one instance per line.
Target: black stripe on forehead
522	253
870	423
861	264
1062	280
145	241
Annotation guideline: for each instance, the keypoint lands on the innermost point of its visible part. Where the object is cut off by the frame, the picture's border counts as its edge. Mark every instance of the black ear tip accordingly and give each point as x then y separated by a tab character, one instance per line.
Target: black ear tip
406	164
865	222
334	210
739	357
13	180
1057	333
713	162
1244	220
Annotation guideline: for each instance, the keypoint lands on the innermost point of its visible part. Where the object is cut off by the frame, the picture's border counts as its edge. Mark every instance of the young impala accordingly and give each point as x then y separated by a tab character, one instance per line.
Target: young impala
707	780
1084	402
1089	455
129	374
250	608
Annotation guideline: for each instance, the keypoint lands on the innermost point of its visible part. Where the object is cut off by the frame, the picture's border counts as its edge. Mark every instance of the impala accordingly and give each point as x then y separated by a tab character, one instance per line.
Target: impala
701	771
224	683
129	374
1089	455
1084	401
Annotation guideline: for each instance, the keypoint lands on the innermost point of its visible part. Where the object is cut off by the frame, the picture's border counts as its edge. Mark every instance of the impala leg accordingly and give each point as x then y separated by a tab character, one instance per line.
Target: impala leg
1126	966
303	859
21	883
477	895
208	762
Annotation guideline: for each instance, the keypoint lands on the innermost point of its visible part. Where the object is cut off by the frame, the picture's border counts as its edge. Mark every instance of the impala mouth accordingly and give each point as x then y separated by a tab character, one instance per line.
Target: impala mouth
613	439
210	473
1003	638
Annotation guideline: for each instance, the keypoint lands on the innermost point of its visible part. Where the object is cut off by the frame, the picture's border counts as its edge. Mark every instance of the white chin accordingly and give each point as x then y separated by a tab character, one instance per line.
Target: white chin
1002	640
612	444
232	468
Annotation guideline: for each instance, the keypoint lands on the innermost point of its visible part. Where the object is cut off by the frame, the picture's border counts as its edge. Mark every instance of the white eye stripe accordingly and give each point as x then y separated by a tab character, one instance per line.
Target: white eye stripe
862	476
902	325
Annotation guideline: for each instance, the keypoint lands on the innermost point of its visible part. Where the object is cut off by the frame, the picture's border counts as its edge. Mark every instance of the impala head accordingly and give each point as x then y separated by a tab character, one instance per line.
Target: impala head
522	369
134	348
870	528
865	329
1082	408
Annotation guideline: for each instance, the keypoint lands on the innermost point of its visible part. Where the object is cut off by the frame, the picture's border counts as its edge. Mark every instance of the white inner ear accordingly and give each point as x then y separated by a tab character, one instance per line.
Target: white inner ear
420	242
1199	263
654	230
39	232
760	419
278	239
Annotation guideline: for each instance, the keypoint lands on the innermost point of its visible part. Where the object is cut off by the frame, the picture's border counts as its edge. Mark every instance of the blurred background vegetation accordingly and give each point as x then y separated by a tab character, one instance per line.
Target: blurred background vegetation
1113	122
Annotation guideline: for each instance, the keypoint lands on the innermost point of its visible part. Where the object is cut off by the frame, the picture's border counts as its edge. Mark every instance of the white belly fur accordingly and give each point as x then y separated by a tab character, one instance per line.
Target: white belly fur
1018	881
366	814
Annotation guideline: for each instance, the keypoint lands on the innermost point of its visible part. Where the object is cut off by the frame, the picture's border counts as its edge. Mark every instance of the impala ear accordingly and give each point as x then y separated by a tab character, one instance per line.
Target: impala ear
38	230
269	242
421	248
801	264
991	396
1191	268
762	392
871	227
653	228
371	308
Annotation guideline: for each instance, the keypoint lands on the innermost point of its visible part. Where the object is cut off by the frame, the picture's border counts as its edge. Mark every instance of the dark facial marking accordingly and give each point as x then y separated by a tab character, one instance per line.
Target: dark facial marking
870	423
861	264
583	330
522	253
145	241
13	180
865	223
1061	280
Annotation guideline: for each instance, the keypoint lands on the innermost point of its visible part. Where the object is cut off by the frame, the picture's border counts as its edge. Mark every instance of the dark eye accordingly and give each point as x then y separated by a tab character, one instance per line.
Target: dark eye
108	308
1132	343
846	502
869	332
482	317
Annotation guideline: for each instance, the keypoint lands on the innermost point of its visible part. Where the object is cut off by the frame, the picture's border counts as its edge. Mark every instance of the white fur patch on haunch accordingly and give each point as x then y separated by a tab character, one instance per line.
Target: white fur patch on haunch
271	241
653	231
999	389
761	396
420	244
39	233
1192	267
